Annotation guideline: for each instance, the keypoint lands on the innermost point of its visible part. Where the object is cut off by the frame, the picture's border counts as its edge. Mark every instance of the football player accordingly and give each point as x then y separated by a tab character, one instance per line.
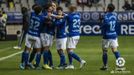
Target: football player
47	36
33	37
109	33
61	37
74	21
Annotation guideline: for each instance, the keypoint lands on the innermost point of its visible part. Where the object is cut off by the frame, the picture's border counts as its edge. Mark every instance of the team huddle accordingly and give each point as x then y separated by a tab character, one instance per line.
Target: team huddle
44	25
49	22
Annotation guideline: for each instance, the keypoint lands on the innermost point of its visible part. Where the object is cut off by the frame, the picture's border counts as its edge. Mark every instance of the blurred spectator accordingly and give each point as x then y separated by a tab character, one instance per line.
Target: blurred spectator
42	2
82	2
68	2
10	4
126	6
58	1
0	2
25	15
4	16
132	5
2	26
87	2
94	1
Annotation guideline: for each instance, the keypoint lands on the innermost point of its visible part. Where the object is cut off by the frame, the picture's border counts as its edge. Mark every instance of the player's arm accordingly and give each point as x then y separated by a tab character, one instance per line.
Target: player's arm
57	16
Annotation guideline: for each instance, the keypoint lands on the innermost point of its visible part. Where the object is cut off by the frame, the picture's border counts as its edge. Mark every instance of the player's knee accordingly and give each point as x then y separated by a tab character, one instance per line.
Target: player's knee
38	49
105	51
27	49
114	49
34	51
46	48
60	51
70	51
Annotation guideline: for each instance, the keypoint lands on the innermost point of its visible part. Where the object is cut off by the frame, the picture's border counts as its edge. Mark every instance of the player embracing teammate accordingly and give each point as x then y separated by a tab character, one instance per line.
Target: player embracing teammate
33	36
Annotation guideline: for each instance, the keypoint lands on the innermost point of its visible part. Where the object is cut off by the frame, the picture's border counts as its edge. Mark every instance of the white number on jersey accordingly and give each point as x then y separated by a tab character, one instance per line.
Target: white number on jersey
112	25
76	23
34	25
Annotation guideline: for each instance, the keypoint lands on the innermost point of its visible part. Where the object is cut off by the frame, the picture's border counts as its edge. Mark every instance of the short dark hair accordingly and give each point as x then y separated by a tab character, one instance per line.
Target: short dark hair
34	6
47	6
59	8
37	9
111	7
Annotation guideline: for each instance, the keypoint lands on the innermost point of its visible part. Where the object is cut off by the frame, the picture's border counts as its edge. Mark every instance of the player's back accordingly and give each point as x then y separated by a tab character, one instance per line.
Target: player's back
109	26
36	22
74	24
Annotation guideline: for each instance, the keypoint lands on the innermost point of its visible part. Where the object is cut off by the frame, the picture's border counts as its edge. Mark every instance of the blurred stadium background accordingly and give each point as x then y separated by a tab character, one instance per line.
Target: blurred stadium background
90	11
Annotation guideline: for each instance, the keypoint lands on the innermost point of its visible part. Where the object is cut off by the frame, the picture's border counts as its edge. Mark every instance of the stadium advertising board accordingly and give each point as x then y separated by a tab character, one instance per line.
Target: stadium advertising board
124	28
90	21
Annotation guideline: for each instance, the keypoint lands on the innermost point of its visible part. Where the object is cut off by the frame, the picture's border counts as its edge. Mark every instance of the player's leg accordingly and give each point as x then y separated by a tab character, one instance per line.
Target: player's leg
37	47
61	46
26	52
32	55
37	58
62	64
3	35
20	40
50	58
46	57
72	42
105	46
45	42
25	57
114	45
104	59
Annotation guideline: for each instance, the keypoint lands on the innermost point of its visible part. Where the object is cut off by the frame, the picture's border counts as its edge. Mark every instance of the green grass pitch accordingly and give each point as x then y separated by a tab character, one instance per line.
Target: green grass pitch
89	49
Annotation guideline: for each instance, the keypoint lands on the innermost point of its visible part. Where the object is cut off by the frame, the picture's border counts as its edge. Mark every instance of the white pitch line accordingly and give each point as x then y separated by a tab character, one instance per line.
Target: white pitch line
9	56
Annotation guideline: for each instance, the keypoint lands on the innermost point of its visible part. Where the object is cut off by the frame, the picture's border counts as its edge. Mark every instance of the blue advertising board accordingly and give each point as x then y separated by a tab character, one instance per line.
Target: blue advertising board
90	20
123	28
14	18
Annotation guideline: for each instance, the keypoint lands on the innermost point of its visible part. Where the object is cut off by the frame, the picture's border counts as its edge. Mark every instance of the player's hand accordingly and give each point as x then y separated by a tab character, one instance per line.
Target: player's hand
49	14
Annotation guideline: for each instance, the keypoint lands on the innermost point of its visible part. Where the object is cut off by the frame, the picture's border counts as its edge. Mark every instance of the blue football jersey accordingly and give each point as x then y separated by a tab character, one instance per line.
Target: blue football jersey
74	21
61	28
109	26
49	26
36	22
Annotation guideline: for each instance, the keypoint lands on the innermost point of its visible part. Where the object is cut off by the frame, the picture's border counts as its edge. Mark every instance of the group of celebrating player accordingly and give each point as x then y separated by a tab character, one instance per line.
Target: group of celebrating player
46	23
